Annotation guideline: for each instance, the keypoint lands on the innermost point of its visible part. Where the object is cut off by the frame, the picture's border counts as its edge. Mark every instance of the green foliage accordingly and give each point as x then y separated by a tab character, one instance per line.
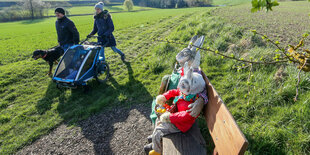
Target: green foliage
28	9
258	5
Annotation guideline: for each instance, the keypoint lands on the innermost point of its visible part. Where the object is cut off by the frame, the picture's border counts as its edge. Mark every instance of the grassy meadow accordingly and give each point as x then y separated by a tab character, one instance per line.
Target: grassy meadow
31	105
90	9
230	2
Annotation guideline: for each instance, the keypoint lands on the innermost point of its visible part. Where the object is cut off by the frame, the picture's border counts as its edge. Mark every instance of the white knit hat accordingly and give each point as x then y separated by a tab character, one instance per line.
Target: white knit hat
99	5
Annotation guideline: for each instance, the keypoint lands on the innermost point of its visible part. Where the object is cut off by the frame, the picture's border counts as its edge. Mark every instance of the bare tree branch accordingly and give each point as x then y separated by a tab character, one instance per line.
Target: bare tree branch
226	56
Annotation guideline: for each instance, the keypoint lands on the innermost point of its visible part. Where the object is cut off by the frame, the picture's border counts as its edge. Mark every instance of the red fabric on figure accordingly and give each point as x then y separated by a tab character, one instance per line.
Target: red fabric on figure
181	119
182	71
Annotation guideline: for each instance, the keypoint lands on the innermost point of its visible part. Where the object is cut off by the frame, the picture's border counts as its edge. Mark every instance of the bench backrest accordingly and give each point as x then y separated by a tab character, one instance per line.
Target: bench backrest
227	136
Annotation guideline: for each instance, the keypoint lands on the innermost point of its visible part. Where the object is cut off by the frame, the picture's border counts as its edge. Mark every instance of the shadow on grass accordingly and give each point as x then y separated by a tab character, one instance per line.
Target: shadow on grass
263	145
112	96
51	95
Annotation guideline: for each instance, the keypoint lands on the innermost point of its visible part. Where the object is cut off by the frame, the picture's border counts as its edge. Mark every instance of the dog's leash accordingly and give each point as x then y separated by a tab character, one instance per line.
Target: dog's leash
54	47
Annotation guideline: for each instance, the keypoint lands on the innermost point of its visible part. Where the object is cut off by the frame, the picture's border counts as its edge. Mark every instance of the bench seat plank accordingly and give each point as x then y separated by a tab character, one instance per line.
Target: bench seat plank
188	143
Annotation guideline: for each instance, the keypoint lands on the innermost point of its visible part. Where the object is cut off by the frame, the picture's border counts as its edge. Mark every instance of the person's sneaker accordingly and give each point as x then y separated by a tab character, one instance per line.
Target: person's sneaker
148	148
123	57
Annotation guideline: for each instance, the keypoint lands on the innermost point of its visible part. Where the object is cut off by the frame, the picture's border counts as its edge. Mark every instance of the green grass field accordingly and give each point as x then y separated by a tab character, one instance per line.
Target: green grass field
31	105
230	2
90	9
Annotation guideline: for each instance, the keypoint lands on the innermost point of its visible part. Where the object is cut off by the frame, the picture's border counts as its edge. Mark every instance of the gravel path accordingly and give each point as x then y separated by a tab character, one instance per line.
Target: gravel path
117	131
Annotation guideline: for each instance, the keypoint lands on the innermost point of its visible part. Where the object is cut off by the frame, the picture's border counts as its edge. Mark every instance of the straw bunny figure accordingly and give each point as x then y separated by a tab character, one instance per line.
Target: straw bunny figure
192	56
178	120
190	53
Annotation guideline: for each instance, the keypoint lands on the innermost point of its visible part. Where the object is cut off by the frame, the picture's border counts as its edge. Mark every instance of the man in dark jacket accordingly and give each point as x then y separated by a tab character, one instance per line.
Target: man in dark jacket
104	26
67	33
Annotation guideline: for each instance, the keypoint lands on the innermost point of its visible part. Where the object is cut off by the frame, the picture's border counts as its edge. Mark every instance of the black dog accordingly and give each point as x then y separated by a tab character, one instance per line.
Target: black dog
50	56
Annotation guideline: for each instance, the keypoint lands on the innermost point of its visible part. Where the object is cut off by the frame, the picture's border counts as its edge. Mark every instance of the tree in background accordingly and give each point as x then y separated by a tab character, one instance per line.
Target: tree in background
35	8
106	2
195	3
27	9
128	4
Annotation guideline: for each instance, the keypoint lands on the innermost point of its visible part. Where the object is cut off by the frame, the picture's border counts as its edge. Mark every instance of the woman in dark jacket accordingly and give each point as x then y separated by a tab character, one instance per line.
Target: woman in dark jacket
103	25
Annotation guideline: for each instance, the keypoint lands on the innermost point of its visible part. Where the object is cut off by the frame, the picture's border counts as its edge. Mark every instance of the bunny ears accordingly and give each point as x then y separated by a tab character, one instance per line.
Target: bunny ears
195	44
188	71
196	62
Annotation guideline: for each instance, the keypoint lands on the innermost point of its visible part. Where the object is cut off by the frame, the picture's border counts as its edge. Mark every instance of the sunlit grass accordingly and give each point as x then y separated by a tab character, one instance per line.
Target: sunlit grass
31	106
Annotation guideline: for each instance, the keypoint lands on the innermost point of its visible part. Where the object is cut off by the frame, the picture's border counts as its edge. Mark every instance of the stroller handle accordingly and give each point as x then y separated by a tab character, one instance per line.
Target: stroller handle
88	37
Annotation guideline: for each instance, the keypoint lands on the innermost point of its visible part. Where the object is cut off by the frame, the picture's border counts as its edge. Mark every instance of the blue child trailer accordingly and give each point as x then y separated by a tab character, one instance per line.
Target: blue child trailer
80	64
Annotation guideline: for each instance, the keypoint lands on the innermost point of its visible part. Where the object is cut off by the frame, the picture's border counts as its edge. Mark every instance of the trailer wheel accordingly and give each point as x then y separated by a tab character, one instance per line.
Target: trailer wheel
103	72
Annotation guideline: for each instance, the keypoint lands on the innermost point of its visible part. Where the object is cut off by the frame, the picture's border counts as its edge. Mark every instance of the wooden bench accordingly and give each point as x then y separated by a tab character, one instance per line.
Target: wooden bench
226	135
